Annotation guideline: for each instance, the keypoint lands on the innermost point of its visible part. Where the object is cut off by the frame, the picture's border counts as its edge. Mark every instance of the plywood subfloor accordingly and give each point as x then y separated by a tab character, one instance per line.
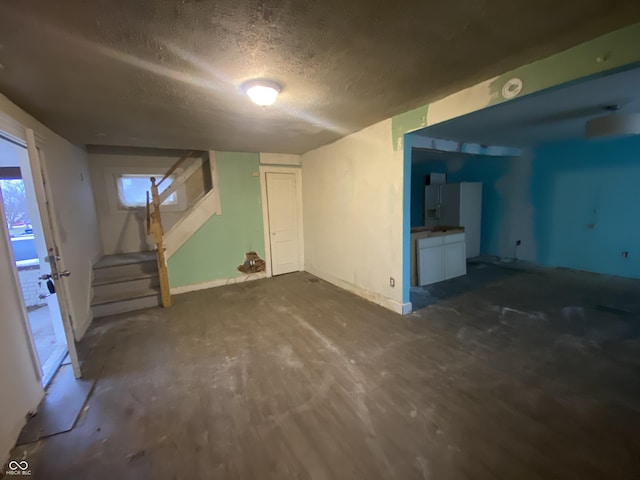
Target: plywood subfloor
60	408
523	377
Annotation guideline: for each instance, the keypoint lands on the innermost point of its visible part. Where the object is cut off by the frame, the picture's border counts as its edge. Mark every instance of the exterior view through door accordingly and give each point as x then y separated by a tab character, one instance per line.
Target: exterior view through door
284	224
22	215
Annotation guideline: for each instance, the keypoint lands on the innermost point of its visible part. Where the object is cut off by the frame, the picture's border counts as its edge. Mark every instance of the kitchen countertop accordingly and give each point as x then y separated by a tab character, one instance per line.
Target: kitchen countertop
438	230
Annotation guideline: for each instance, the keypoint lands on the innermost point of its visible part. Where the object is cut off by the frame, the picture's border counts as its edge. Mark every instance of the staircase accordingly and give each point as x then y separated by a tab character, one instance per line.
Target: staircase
124	283
133	281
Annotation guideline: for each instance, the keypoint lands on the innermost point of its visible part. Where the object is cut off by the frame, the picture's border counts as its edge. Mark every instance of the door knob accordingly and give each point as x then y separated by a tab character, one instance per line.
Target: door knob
55	276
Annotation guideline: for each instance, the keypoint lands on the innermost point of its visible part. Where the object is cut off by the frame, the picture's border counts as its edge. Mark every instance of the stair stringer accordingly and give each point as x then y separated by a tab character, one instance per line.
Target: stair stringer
196	216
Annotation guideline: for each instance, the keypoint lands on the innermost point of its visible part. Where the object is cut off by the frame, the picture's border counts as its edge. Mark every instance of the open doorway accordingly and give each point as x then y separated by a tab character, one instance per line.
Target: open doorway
24	227
559	170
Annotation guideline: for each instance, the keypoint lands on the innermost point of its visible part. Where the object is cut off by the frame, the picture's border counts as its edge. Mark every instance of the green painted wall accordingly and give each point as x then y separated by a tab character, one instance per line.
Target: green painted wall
408	122
608	52
218	247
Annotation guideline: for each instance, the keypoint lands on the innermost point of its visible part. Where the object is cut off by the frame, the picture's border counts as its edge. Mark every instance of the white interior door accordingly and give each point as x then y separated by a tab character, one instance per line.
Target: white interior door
284	225
53	264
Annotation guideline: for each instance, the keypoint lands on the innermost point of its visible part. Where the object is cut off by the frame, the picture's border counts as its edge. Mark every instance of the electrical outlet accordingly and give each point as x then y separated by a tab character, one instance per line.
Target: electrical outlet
392	281
518	243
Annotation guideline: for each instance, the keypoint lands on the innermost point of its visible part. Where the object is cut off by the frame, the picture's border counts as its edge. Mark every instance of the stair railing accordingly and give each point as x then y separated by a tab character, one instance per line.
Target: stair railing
154	225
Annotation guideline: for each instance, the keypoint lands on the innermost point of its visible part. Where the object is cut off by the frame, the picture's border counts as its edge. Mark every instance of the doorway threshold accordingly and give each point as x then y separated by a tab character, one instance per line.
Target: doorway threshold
51	366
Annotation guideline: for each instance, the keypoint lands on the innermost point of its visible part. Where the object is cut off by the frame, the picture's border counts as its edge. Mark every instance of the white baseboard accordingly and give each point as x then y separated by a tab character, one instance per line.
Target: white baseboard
219	282
386	302
407	308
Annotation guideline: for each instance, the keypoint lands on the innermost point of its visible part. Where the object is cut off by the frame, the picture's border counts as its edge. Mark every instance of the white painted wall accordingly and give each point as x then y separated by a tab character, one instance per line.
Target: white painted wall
352	203
125	231
68	171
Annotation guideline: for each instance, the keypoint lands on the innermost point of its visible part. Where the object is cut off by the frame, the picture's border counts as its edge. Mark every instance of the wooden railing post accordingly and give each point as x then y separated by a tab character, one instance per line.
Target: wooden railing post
154	220
158	234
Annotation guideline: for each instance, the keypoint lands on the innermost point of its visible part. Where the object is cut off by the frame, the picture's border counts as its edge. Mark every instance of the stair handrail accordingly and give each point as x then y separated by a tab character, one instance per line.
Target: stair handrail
175	166
154	225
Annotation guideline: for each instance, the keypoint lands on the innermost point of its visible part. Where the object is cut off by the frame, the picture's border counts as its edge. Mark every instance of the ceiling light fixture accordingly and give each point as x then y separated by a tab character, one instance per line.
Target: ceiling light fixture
613	125
262	92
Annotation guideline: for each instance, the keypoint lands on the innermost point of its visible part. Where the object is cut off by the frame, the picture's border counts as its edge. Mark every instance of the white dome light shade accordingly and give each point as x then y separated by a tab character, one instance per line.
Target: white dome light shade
262	92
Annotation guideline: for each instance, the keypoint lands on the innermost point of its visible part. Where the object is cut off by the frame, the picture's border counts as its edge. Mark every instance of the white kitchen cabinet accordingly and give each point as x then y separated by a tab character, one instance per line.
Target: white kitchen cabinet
441	258
455	262
430	265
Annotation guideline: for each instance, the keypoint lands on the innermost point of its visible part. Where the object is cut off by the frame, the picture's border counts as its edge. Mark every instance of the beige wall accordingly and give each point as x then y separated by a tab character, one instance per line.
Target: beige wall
125	232
352	203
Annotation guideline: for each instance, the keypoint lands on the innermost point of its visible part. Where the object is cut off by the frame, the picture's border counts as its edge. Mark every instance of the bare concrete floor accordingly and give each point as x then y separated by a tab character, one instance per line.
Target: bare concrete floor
527	376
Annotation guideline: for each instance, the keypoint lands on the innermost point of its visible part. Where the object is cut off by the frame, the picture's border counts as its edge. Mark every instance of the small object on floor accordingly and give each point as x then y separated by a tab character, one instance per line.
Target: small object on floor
60	408
252	263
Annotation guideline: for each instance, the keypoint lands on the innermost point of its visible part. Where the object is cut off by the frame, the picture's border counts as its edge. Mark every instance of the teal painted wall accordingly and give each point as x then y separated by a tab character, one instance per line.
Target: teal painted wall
587	198
581	197
477	168
218	247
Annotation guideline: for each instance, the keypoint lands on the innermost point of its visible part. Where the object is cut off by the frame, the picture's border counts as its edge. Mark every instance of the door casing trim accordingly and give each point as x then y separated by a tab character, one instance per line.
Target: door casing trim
297	171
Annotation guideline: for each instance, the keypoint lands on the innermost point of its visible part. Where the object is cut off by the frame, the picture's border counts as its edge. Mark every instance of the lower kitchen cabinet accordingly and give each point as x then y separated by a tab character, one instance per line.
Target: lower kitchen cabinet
441	258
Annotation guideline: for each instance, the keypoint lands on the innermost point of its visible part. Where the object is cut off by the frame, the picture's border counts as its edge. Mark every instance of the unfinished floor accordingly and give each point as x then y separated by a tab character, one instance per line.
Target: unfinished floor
523	375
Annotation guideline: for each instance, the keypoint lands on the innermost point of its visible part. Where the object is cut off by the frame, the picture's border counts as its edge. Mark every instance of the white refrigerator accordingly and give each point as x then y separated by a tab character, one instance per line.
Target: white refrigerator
456	204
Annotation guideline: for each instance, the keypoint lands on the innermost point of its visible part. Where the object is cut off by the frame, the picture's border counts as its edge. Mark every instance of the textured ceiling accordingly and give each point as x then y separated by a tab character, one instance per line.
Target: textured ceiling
558	114
166	73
